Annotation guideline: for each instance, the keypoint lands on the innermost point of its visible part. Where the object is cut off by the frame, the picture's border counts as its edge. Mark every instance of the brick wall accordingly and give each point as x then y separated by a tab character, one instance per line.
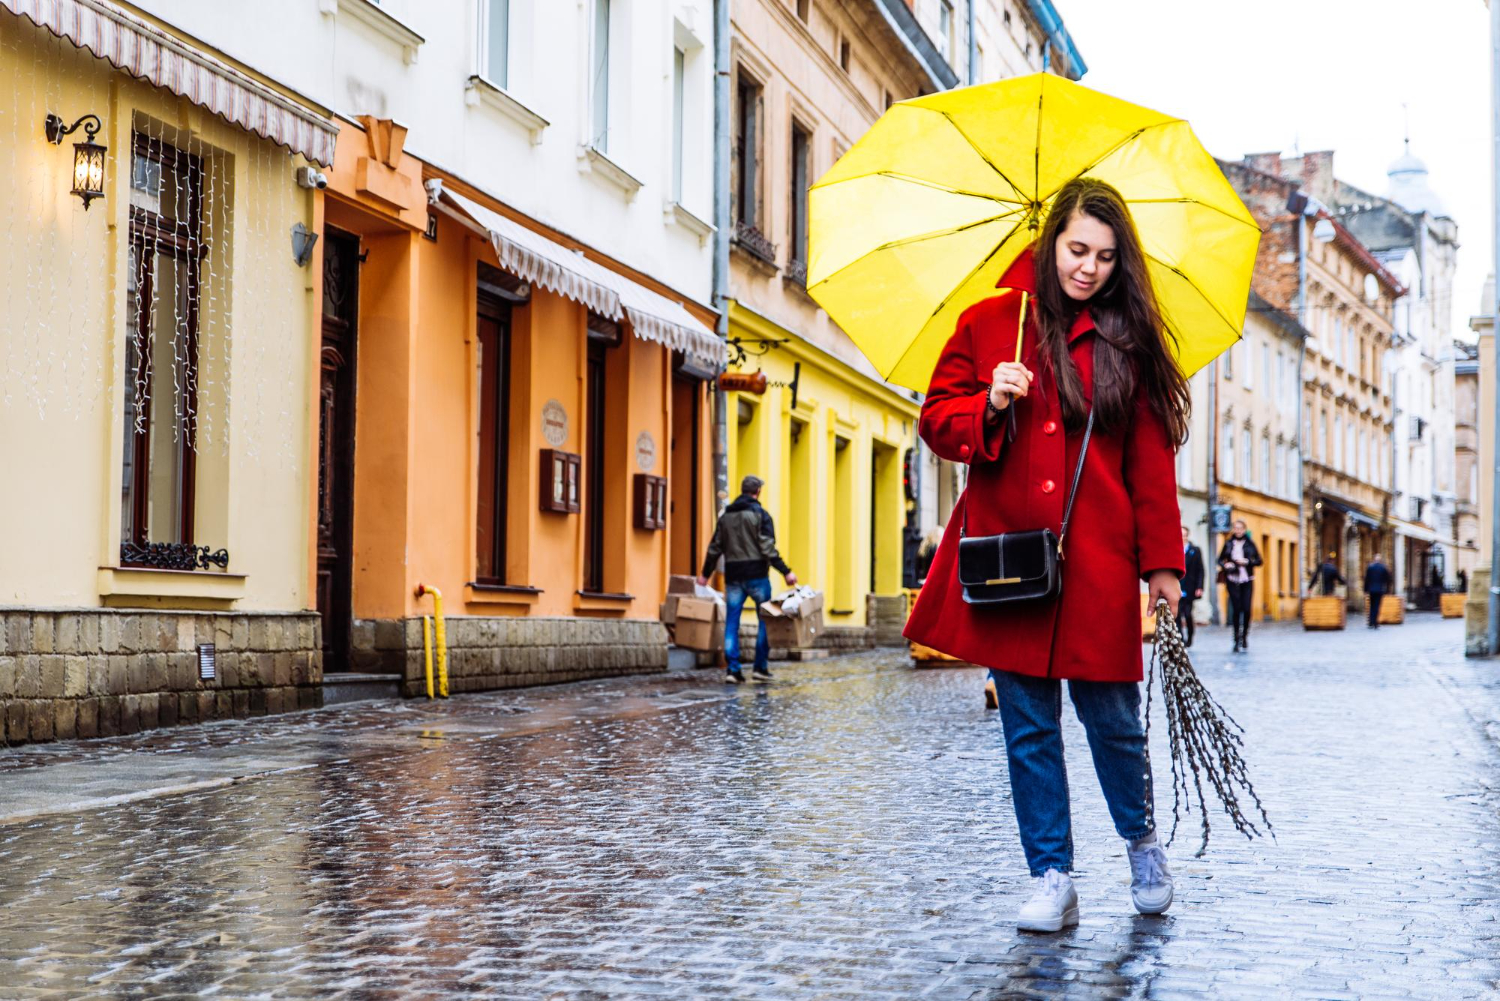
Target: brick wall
69	673
1264	192
486	653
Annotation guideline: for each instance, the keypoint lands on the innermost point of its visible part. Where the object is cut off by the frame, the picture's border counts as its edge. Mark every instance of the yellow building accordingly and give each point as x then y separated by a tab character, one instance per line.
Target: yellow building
807	81
832	462
157	364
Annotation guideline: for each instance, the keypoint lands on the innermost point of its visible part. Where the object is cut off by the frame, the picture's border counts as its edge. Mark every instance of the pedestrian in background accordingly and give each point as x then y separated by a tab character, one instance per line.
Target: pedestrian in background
746	539
1328	574
1463	582
1377	584
1237	562
1192	586
1094	347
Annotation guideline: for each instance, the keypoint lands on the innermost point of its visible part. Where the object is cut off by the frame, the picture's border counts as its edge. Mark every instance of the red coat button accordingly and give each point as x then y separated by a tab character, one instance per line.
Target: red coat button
1050	427
1048	486
963	450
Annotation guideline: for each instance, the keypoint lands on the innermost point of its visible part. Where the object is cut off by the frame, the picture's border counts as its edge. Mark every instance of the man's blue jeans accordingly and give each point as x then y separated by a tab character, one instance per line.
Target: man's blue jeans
1031	713
757	590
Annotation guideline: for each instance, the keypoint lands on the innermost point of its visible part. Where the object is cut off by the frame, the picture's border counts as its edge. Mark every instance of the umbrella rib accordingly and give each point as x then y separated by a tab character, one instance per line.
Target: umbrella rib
921	181
984	156
909	240
1194	286
1189	201
948	298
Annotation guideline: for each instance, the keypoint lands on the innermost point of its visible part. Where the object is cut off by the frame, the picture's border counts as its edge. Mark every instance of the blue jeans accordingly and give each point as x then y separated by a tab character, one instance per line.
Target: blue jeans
735	593
1031	713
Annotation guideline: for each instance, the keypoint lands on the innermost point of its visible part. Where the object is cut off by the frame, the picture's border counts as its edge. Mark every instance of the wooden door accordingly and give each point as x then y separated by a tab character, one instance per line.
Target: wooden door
336	445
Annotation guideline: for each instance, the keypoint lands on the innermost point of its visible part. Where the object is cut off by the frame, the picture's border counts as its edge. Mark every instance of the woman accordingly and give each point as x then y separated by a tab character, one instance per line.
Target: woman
1093	338
1237	562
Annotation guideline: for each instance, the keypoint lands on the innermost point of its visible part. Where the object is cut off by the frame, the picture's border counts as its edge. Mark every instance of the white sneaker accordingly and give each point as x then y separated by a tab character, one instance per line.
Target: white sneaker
1054	905
1150	879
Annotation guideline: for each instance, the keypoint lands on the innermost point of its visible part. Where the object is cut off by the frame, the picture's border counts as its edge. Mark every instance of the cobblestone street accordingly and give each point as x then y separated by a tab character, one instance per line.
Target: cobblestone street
844	832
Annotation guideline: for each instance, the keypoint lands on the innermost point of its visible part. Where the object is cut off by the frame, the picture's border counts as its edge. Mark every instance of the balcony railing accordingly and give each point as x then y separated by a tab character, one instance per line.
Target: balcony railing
753	242
796	271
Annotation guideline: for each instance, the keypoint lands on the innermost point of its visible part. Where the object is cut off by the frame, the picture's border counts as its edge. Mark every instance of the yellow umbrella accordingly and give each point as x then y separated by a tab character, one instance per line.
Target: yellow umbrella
920	219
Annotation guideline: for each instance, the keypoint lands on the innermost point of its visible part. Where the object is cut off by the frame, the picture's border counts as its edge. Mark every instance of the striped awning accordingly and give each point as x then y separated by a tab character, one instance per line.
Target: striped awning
549	265
148	53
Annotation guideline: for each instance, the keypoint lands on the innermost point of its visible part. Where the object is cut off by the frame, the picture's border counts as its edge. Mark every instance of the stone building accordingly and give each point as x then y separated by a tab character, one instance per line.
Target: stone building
1466	455
1411	232
1347	410
1476	609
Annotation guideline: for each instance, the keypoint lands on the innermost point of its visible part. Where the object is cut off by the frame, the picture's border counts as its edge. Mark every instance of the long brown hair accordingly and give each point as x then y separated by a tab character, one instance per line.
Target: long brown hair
1130	348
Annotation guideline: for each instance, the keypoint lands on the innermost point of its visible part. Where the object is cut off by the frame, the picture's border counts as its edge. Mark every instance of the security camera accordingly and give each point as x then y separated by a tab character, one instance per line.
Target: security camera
308	177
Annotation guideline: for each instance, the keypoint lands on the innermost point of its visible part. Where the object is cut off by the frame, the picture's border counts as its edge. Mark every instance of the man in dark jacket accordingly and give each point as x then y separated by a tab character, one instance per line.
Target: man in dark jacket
1238	560
746	538
1192	586
1328	574
1377	585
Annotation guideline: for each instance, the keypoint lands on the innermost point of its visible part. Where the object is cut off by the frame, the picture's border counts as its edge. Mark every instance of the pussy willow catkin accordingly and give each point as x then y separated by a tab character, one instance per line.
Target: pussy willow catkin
1205	740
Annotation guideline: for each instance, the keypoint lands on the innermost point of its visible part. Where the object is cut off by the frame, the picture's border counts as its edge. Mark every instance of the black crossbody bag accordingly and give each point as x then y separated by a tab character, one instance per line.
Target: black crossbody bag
1017	566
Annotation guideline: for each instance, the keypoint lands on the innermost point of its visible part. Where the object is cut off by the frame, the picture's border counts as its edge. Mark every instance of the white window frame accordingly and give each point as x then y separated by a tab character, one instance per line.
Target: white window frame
679	120
599	73
483	60
1226	452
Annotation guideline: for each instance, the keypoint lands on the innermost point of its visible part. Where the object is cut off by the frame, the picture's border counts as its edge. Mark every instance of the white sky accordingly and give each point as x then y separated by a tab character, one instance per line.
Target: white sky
1264	75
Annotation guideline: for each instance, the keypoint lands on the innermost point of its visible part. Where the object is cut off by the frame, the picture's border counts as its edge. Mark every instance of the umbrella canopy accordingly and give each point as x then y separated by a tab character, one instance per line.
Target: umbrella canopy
918	221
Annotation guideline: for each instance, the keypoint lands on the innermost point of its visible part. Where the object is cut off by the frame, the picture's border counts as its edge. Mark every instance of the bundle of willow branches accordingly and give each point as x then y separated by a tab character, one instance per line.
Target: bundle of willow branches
1205	740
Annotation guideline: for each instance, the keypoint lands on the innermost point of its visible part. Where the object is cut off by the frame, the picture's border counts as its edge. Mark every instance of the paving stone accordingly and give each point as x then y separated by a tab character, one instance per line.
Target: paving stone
843	832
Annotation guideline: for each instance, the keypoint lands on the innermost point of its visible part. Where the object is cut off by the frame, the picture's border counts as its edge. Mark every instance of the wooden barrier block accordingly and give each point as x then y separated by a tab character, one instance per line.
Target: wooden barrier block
1452	605
1323	612
1392	610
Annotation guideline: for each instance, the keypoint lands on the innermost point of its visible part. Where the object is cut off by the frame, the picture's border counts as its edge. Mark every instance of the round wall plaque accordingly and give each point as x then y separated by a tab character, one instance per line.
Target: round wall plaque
554	423
645	451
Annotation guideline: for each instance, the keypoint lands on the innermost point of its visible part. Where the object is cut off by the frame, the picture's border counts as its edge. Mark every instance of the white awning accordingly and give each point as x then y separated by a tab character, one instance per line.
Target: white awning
550	265
150	54
1419	532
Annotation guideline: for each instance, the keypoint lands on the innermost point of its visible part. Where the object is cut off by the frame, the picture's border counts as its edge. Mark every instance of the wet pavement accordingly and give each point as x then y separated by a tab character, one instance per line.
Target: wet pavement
844	832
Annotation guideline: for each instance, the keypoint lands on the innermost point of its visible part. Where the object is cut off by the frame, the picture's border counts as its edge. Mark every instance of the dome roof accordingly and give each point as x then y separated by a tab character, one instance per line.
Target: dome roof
1408	186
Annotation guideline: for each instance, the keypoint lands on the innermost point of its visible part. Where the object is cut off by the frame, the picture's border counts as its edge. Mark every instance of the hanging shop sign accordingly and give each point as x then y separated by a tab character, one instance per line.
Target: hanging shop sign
554	423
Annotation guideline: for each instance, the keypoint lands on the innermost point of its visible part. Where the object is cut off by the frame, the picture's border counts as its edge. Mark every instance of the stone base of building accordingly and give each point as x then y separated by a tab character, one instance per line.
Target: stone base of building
1477	614
886	614
100	672
487	653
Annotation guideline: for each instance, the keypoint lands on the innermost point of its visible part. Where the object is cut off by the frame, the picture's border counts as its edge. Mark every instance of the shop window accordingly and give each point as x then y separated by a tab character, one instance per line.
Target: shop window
493	363
494	41
161	347
599	77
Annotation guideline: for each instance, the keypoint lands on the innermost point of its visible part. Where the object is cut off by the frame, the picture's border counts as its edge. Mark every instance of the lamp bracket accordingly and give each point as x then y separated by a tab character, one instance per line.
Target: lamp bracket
56	129
742	348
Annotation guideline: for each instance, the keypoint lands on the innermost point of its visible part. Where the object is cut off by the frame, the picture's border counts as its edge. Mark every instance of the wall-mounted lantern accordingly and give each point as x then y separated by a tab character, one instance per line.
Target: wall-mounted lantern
88	156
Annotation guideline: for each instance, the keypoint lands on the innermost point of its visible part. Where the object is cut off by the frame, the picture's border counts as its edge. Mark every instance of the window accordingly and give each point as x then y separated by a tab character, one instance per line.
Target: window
494	436
803	10
494	37
844	54
1247	459
603	335
945	29
1277	485
1247	363
1229	361
1349	453
1185	463
1294	468
679	61
1226	454
1338	442
1338	339
1265	366
747	153
599	82
801	168
161	346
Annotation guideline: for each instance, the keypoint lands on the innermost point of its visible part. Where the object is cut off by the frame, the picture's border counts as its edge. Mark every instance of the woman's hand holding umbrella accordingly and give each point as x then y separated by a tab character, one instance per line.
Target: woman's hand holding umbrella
1009	380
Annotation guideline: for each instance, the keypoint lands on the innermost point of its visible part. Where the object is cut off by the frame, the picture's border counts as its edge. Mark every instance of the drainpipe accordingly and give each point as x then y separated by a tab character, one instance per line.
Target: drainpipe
721	242
973	48
1492	629
1211	579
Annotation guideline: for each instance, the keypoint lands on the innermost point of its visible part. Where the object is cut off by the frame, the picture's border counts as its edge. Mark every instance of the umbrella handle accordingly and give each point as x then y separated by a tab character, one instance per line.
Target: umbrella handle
1021	327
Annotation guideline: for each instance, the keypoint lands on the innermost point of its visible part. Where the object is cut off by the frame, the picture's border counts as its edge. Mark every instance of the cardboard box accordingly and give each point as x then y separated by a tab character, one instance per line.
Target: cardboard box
797	630
680	583
699	624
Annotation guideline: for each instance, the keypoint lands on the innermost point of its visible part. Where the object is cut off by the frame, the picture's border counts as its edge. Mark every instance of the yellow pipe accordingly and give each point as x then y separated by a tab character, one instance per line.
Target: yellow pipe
427	650
442	636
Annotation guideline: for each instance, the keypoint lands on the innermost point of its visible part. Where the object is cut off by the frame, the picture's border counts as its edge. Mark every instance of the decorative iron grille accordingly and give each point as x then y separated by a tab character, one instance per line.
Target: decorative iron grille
172	556
754	242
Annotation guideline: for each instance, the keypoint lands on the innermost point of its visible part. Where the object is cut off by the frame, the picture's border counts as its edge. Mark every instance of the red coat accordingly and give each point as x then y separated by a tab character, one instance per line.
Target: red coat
1125	521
